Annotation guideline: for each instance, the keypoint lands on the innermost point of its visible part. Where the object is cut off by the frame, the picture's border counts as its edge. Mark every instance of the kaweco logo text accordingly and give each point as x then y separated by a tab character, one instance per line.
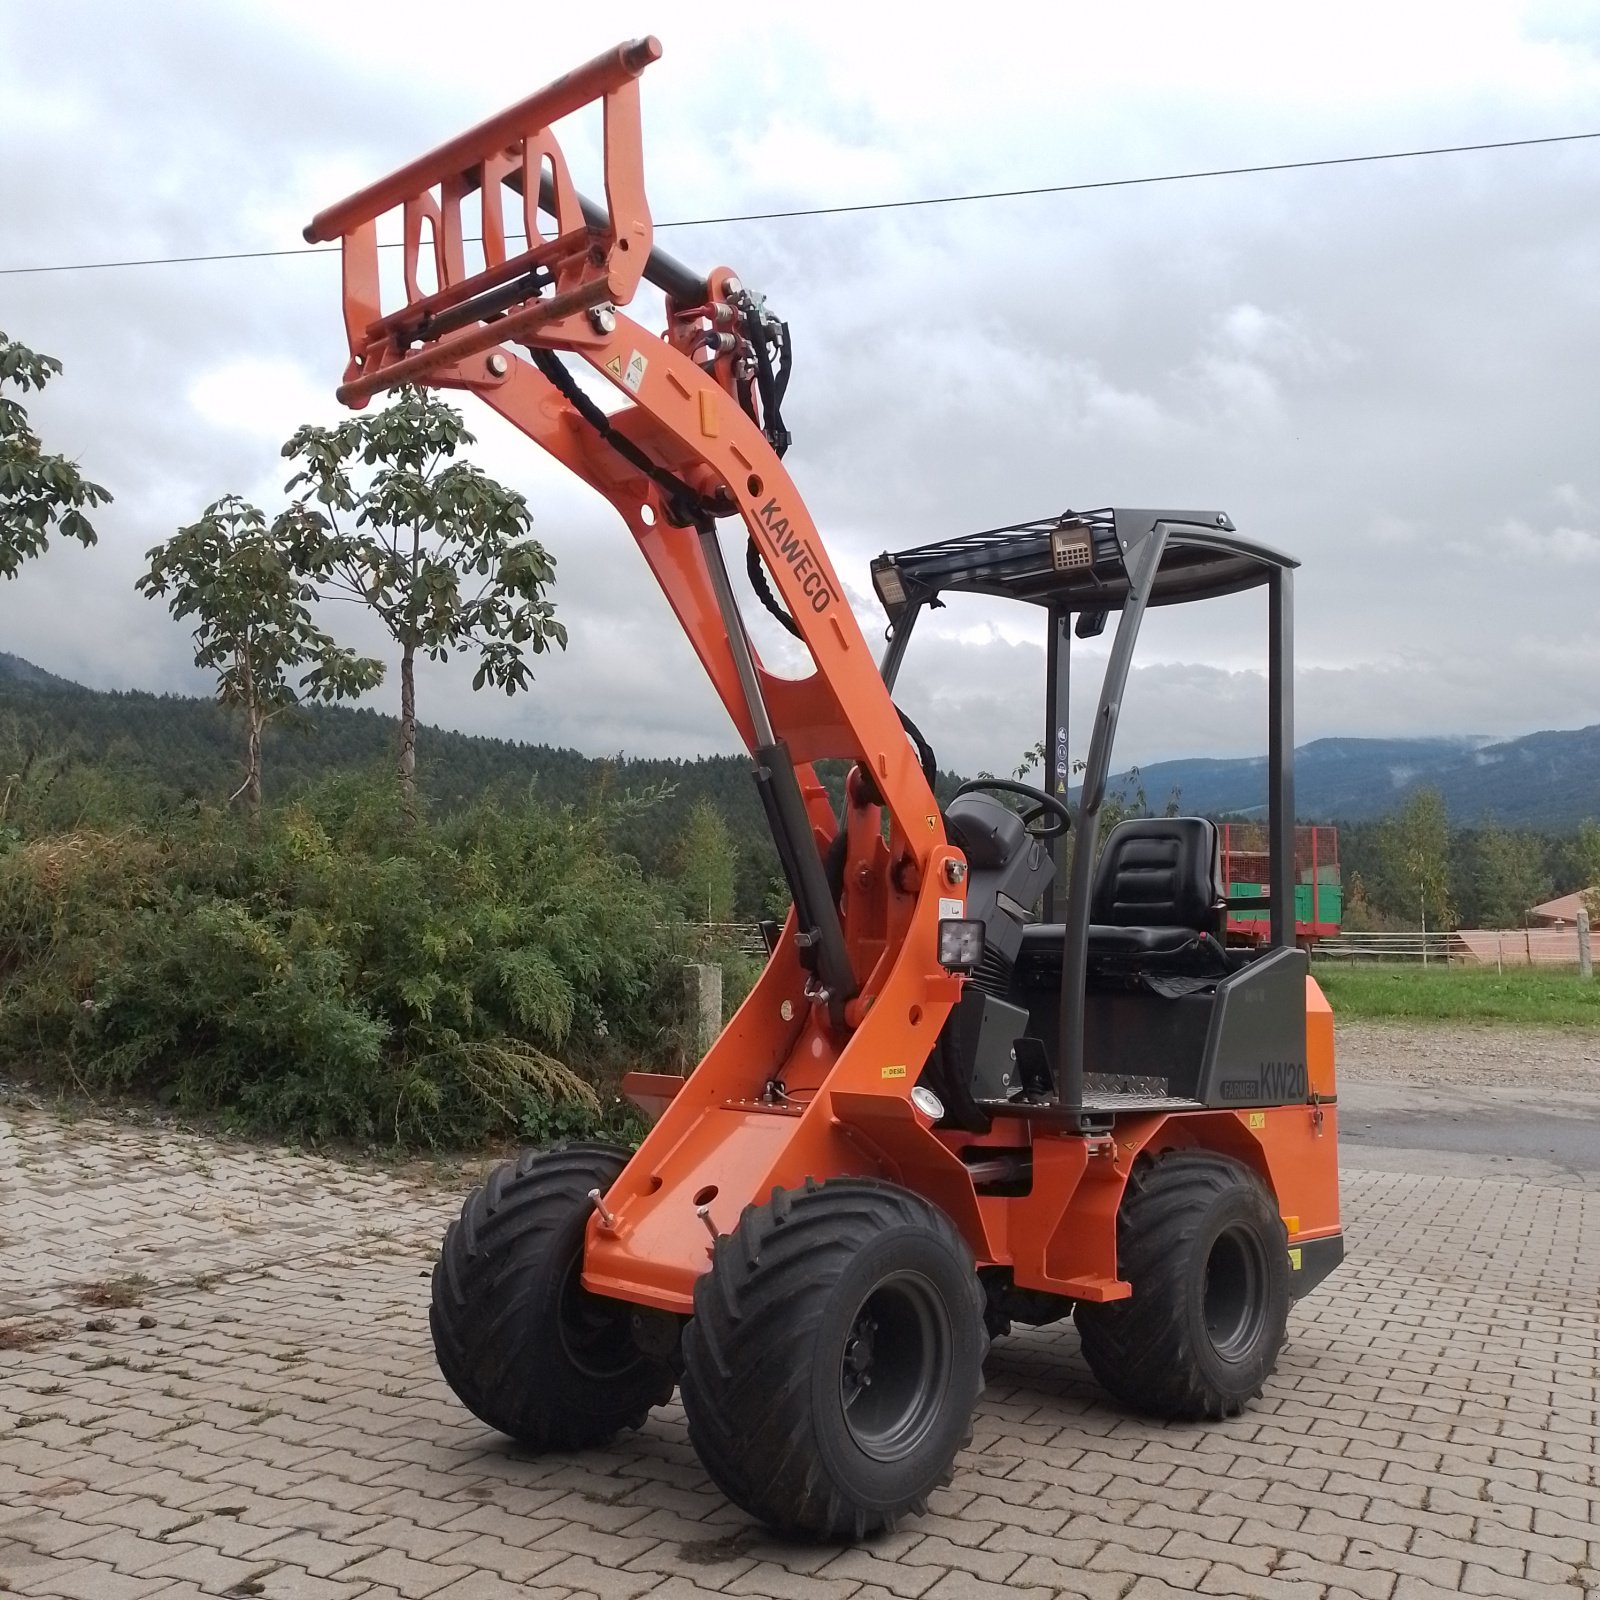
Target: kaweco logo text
796	553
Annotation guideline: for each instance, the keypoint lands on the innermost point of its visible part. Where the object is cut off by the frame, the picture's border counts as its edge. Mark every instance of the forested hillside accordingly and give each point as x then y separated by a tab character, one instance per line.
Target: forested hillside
172	748
168	749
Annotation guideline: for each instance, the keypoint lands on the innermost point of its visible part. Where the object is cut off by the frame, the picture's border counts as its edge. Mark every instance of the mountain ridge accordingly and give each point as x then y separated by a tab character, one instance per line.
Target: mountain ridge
1548	779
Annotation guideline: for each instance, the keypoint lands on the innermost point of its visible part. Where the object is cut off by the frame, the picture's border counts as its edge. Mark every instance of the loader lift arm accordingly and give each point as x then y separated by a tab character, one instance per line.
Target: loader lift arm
698	439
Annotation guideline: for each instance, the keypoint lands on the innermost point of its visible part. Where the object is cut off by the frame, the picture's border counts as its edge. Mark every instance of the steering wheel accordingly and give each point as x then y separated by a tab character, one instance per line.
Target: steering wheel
1044	805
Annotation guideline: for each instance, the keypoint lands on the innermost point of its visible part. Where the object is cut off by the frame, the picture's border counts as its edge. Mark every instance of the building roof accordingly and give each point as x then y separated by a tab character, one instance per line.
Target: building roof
1562	911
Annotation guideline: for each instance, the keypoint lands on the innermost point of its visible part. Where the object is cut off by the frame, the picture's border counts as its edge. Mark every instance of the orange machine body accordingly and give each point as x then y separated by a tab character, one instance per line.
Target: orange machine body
723	1139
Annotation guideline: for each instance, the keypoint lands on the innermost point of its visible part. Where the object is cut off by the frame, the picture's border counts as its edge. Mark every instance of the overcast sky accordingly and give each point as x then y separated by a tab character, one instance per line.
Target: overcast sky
1389	370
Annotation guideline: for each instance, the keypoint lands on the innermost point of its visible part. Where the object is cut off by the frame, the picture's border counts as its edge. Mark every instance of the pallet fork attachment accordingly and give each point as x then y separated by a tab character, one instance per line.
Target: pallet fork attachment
579	263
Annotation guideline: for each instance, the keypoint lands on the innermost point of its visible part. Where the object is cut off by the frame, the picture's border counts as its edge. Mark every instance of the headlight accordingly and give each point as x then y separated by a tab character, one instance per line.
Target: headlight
1071	547
891	587
960	944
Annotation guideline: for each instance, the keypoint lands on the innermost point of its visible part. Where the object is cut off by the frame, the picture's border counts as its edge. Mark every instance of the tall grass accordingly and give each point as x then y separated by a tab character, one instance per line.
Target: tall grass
1526	996
340	973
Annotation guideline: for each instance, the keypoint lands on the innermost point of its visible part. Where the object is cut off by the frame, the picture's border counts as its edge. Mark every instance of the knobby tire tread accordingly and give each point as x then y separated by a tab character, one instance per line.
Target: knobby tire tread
747	1367
1142	1350
491	1283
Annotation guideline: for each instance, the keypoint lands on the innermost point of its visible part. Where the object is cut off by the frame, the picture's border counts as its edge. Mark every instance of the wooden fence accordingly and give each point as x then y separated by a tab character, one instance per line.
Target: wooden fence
1476	947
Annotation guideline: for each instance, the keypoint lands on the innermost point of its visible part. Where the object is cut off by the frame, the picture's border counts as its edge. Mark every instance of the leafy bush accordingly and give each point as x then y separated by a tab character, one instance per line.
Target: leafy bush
340	973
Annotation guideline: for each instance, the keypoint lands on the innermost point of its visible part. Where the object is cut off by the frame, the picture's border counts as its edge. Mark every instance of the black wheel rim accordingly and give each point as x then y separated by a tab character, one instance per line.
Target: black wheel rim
595	1332
1235	1293
895	1366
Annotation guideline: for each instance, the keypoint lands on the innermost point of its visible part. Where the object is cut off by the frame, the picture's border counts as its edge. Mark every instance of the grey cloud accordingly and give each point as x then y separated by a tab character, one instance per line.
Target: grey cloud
1387	370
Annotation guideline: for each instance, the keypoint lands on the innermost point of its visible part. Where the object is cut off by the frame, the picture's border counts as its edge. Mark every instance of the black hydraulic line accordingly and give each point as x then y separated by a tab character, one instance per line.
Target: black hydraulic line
786	356
930	767
833	863
747	403
758	582
764	593
820	936
815	903
778	436
683	504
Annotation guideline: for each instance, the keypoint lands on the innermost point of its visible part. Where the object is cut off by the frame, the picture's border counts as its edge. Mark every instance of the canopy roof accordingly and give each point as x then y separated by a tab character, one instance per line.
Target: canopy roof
1204	557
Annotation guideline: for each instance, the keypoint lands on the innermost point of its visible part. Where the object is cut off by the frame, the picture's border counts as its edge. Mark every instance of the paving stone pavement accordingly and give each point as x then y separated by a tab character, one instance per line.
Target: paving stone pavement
280	1431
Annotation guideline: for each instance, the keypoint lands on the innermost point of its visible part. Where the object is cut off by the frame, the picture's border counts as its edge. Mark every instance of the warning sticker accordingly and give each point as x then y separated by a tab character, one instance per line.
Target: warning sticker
952	908
1258	1119
634	376
614	366
1294	1259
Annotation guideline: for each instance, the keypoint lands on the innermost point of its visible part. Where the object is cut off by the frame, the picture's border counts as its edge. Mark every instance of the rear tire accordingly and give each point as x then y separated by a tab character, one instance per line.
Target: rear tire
1200	1239
525	1346
834	1358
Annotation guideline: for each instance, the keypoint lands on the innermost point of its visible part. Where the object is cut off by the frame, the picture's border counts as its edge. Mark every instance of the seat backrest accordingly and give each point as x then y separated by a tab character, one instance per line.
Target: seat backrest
1160	872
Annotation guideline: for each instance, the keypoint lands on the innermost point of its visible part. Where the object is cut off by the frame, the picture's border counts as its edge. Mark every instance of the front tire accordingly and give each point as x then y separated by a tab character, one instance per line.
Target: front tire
524	1345
835	1357
1200	1240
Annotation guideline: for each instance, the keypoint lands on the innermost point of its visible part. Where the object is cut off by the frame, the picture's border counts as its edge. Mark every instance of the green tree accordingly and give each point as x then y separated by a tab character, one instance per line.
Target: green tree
39	494
1360	914
1508	875
1413	858
409	541
1583	855
231	573
705	864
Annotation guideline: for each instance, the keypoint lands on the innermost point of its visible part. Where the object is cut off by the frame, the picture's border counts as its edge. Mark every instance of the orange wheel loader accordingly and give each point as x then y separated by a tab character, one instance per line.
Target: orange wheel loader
996	1069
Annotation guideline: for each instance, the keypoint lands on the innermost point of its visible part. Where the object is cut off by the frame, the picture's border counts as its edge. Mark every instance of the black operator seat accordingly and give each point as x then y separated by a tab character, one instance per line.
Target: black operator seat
1158	894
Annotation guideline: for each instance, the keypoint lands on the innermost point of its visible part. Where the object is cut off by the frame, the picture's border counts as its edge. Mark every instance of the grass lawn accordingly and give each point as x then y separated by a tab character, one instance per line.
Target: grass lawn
1412	993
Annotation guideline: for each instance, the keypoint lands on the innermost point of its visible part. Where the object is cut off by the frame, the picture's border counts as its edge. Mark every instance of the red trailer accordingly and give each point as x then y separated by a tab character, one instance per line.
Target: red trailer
1318	890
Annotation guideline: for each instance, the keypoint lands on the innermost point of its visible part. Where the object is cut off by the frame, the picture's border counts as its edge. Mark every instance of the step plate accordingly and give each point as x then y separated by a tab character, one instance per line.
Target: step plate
1105	1103
1110	1101
1125	1083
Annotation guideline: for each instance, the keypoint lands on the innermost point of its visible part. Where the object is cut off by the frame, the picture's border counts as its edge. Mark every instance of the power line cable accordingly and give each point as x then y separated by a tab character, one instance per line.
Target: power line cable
880	205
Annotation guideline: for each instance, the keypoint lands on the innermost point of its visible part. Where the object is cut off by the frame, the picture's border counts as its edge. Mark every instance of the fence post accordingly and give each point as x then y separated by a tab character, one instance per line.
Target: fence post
1585	962
1500	954
702	984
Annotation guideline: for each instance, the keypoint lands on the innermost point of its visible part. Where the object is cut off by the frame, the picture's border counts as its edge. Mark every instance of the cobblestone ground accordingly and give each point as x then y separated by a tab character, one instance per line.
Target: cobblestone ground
277	1429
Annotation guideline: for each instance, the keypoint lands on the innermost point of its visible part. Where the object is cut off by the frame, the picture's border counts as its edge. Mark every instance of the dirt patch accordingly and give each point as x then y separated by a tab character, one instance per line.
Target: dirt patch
24	1335
116	1293
1438	1055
